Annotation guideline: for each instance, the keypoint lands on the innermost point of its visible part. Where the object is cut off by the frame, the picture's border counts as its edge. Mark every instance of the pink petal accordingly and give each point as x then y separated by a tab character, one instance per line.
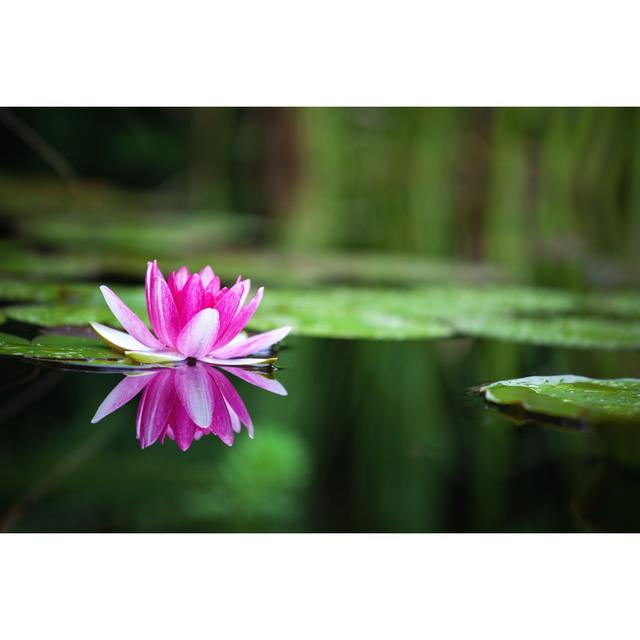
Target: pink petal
191	299
173	287
258	380
251	345
221	292
214	286
127	389
194	388
227	305
161	306
231	396
129	320
182	427
241	320
199	334
181	277
119	340
245	292
158	401
221	423
206	275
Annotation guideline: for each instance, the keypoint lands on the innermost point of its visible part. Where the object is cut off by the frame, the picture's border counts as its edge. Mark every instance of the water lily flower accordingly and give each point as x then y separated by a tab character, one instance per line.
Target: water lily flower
191	317
186	403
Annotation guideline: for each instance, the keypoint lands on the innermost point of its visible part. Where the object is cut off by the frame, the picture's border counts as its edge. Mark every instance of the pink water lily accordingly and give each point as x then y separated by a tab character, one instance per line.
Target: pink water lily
191	317
186	403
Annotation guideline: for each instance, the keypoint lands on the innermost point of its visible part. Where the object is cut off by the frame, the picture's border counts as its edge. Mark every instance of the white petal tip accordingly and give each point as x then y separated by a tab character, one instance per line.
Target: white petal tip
154	357
116	339
238	362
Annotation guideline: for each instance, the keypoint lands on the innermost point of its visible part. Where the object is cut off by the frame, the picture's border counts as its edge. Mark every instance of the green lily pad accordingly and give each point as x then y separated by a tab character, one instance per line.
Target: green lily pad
70	351
59	315
64	292
81	304
498	313
526	315
349	313
55	346
569	397
573	332
315	315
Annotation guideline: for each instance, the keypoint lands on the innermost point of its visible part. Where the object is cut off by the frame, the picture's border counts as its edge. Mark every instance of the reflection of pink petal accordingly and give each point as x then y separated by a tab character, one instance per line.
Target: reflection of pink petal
235	421
163	313
129	320
258	380
182	427
251	345
231	396
221	422
199	334
194	388
127	389
159	399
236	424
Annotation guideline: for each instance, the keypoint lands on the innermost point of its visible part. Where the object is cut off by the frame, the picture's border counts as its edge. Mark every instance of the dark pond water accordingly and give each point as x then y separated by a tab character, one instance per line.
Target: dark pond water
372	436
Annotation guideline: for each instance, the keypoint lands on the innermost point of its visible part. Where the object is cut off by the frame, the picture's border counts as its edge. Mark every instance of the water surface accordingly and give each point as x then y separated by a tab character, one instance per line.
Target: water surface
373	436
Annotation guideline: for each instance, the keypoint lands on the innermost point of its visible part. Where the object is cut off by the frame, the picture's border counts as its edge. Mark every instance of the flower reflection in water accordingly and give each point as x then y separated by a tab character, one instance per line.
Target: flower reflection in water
186	403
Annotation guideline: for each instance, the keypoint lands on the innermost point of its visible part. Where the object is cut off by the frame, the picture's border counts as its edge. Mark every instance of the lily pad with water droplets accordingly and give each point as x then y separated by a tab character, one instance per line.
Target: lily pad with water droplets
569	397
70	351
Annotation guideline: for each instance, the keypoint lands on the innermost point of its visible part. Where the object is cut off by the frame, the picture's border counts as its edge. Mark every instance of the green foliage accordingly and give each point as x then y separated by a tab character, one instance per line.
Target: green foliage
570	397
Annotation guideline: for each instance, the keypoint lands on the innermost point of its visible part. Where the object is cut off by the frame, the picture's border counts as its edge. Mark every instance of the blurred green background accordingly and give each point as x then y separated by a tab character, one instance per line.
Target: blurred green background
375	435
509	186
